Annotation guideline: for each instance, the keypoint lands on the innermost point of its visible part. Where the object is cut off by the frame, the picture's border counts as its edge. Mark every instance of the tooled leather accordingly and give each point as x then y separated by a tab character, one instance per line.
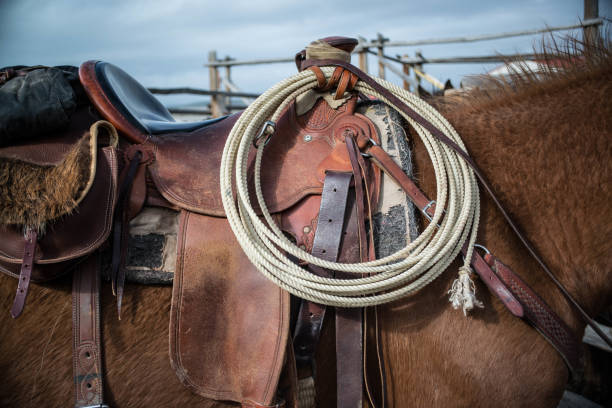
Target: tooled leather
322	115
67	240
87	352
541	316
218	349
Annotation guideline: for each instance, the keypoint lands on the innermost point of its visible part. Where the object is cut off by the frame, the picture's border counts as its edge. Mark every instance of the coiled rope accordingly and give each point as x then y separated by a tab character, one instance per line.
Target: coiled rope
455	220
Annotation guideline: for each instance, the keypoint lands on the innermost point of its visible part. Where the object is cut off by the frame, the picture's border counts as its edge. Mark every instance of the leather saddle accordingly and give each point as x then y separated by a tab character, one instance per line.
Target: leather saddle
212	352
230	326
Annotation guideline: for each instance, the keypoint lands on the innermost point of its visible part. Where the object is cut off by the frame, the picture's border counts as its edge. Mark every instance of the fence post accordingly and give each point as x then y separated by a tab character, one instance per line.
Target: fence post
406	69
417	78
591	10
363	55
381	67
213	76
228	77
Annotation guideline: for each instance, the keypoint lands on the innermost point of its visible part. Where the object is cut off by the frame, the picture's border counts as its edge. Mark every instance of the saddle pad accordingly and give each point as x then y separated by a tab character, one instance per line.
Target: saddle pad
228	324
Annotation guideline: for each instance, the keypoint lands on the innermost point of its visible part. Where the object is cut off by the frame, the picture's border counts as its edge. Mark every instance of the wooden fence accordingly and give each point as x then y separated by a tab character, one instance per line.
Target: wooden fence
408	68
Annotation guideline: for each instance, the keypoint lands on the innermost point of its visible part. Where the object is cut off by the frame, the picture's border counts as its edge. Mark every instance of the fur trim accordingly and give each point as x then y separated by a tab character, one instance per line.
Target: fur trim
32	195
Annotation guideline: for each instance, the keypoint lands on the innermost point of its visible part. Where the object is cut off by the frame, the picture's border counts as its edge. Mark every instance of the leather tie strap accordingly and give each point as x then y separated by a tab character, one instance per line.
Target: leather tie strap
131	198
25	273
343	79
87	352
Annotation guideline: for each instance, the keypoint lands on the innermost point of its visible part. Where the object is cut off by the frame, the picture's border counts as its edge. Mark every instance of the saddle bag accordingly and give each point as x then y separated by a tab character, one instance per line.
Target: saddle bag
57	196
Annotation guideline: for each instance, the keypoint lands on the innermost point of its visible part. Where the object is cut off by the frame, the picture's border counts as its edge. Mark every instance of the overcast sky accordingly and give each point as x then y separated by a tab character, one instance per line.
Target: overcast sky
164	43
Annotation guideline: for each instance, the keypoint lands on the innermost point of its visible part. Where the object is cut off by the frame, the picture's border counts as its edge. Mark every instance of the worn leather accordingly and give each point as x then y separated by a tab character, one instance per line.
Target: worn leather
67	240
539	314
25	272
129	105
87	352
229	323
287	175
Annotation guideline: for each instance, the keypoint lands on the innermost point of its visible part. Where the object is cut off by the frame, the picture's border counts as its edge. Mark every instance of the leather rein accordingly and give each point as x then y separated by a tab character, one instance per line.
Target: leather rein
345	77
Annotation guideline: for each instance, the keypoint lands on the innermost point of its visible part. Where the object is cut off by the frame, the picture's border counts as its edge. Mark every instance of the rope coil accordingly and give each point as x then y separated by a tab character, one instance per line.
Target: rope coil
390	278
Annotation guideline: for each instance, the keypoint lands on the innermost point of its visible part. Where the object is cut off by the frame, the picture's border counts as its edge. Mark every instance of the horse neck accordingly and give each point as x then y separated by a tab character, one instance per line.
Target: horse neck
547	152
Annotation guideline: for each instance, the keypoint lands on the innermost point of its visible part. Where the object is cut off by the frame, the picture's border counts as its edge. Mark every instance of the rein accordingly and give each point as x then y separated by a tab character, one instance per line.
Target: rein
461	151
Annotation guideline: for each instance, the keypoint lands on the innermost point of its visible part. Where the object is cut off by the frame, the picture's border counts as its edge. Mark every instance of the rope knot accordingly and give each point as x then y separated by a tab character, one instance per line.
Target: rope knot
463	291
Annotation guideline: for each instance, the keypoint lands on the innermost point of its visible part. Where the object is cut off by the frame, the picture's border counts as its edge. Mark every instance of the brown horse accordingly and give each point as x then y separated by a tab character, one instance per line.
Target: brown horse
544	143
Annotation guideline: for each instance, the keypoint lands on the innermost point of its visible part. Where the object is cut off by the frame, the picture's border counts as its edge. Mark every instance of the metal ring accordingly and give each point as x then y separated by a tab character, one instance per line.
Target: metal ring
483	248
262	131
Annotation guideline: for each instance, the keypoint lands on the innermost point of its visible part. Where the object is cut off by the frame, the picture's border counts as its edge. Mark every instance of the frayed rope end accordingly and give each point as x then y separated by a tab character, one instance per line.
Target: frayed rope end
463	292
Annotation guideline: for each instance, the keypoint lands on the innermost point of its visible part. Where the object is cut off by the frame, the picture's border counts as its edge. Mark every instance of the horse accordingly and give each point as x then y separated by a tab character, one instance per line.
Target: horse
544	144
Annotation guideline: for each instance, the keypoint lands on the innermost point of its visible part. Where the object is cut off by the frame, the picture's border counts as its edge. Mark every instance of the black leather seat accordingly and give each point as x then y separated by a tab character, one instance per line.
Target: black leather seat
138	105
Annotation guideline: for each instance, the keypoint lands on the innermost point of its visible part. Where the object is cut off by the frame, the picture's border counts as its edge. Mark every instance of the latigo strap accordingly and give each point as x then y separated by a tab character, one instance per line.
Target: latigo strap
87	351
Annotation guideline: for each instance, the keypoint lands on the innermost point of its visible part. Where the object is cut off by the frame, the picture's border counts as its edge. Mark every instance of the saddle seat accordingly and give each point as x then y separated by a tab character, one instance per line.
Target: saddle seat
136	110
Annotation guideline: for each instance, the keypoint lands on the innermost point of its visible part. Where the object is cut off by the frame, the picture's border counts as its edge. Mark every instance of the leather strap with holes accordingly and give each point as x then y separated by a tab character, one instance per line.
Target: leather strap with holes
25	273
87	353
326	245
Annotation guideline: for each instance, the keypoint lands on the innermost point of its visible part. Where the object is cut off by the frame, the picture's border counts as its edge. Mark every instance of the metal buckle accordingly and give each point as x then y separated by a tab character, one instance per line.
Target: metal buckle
262	131
368	155
424	210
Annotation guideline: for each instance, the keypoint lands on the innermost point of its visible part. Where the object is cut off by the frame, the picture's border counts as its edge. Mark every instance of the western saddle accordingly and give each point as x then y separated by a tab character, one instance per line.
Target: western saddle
225	353
129	152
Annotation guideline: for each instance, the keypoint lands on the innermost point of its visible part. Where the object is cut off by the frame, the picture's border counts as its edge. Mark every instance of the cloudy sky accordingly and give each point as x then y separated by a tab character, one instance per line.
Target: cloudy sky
164	43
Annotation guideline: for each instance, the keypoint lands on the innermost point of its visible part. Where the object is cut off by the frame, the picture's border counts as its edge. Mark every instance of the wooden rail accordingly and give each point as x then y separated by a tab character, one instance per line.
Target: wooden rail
195	91
411	71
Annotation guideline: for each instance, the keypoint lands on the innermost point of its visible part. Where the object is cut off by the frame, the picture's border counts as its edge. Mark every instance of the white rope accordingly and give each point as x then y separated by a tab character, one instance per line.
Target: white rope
390	278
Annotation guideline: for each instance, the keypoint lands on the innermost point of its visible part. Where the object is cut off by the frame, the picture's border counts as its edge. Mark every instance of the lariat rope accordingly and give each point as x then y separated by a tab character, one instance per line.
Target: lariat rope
455	220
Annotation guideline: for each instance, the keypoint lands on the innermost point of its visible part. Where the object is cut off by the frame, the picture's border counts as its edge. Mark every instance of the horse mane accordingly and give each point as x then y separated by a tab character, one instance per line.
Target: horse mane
565	61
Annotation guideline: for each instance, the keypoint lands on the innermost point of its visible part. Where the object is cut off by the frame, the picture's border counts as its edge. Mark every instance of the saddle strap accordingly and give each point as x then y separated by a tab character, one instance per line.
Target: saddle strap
25	273
326	245
468	159
516	295
87	352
